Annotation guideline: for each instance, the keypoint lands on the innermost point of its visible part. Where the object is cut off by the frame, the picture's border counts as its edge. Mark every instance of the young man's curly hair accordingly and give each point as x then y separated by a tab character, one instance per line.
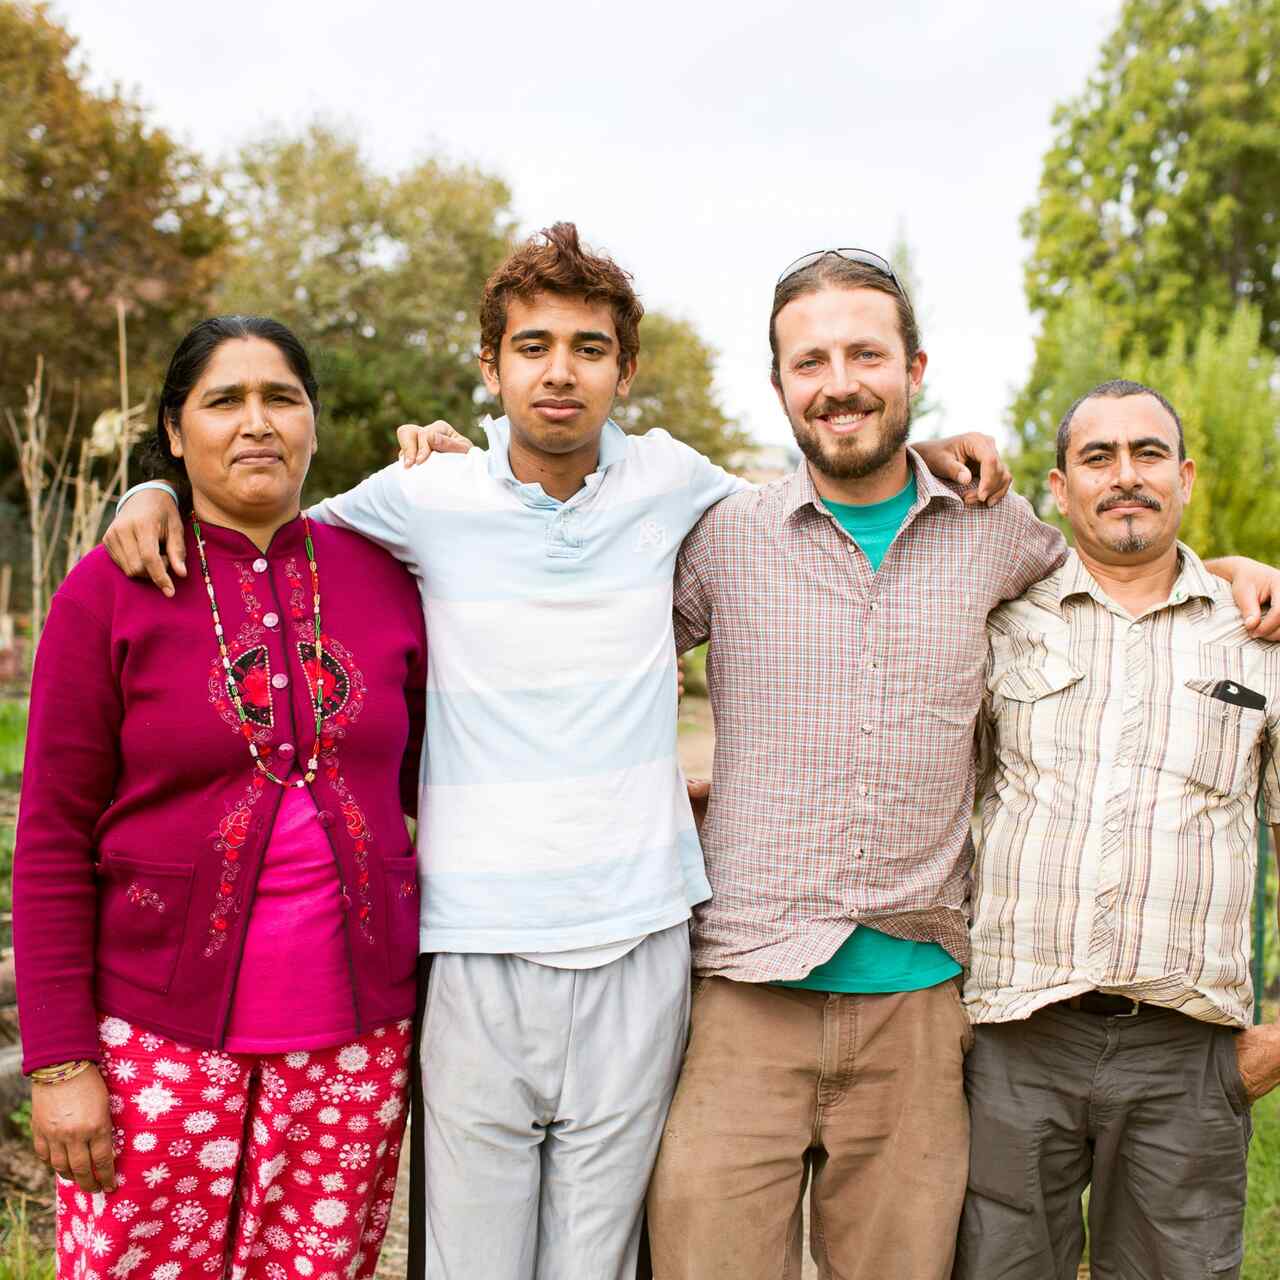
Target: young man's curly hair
555	261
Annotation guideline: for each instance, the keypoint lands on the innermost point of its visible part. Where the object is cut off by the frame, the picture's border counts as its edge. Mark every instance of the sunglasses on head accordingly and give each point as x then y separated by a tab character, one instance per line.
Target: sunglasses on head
864	256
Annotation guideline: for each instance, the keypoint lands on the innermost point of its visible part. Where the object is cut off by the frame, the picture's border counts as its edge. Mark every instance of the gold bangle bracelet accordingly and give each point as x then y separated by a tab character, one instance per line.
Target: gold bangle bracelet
61	1072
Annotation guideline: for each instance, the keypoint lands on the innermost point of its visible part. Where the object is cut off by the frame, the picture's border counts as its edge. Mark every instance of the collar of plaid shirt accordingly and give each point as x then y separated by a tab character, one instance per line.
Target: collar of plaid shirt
801	491
844	705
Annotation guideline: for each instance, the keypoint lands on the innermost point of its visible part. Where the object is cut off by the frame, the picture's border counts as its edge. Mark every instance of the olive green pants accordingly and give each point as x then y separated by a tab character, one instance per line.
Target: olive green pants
1149	1111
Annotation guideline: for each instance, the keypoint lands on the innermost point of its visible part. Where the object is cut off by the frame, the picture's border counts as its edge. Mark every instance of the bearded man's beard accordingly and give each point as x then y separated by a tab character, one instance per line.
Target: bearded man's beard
849	458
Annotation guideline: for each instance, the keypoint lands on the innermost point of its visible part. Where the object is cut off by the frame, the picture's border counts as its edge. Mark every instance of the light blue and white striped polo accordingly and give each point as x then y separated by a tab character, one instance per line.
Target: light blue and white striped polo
554	812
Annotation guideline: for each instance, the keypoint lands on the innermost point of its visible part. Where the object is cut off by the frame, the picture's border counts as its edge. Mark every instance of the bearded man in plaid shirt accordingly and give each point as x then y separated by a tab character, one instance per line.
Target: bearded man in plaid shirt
846	611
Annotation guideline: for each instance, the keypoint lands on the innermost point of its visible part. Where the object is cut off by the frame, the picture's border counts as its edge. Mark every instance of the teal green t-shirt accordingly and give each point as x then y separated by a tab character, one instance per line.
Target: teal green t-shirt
869	960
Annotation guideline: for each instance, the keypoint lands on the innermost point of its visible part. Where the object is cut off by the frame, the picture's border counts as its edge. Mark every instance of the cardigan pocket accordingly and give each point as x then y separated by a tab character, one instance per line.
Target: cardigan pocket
400	881
142	919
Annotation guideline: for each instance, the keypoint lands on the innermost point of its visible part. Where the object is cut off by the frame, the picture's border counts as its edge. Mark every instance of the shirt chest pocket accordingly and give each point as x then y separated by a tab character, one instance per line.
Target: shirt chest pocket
1031	700
1221	737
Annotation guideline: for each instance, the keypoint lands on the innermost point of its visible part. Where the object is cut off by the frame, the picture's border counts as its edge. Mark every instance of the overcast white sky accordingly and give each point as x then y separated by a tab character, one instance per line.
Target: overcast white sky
705	146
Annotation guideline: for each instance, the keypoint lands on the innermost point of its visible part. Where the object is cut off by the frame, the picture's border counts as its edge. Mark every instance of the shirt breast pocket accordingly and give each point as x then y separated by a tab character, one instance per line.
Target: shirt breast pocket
1031	701
1225	738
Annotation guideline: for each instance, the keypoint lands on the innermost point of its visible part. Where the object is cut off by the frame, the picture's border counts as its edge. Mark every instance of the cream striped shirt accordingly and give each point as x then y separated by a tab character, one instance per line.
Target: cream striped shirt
1118	828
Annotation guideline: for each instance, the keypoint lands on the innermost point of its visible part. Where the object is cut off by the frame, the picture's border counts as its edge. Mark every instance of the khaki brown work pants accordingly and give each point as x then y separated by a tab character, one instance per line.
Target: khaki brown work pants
863	1095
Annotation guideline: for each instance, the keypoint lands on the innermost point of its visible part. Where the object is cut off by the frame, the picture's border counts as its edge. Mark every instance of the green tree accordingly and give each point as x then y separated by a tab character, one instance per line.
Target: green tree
1080	345
1160	188
96	205
926	411
381	277
1156	219
1225	385
675	388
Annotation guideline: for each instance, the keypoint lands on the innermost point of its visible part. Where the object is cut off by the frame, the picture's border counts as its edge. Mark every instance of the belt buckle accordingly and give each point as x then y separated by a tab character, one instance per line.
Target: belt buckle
1133	1013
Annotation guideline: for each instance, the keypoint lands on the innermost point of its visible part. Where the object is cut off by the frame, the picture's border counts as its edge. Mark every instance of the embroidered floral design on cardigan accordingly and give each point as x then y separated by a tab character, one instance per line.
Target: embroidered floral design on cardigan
344	699
342	709
143	897
252	666
252	672
255	691
228	840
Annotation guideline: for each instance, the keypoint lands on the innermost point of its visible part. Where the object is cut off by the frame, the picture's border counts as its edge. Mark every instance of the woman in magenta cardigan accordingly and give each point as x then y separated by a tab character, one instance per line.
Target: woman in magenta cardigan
215	896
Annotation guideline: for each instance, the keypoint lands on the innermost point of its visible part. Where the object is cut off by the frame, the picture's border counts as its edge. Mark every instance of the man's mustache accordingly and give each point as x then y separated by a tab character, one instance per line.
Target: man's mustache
1128	500
866	403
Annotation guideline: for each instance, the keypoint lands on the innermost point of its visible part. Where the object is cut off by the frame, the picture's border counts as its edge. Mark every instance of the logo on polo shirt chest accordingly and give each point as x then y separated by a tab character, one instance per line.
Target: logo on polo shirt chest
651	534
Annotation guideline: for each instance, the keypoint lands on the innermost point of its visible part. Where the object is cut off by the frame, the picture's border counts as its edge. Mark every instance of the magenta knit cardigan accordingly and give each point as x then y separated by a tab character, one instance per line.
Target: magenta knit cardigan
143	822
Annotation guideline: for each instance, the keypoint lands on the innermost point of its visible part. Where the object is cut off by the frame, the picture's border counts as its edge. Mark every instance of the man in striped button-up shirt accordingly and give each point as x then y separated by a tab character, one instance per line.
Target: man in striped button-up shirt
1131	722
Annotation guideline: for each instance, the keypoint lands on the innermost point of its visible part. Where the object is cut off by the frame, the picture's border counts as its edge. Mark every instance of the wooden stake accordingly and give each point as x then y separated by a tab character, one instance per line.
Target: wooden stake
124	396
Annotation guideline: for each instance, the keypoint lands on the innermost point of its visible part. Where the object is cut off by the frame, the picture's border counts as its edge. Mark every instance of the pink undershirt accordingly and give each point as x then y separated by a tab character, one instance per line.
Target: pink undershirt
294	987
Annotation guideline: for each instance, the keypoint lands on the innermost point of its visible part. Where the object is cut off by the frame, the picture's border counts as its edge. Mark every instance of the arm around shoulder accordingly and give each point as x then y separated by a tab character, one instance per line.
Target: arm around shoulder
377	509
1037	548
146	538
692	597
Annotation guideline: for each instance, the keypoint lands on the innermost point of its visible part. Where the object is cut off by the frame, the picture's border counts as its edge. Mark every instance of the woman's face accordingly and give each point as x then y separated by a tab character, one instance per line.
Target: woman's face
246	435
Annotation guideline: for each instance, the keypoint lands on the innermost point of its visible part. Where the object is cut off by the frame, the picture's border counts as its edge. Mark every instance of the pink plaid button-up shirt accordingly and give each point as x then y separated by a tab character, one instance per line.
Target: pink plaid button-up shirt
844	704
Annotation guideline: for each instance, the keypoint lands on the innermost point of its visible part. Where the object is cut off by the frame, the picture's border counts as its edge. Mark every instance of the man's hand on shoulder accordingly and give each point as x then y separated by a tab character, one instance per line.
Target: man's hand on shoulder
958	458
417	443
1256	590
148	521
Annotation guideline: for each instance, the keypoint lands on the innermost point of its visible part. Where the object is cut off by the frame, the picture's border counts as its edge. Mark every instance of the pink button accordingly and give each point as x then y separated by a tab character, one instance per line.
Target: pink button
279	680
259	565
271	620
285	750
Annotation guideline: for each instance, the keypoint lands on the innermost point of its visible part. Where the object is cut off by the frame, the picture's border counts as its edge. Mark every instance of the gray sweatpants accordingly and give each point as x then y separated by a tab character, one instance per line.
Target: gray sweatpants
1151	1110
545	1093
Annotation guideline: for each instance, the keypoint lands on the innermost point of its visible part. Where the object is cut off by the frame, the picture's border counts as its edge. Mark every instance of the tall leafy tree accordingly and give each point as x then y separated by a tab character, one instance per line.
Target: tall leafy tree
381	276
96	204
1226	387
675	388
1155	237
1225	384
1160	188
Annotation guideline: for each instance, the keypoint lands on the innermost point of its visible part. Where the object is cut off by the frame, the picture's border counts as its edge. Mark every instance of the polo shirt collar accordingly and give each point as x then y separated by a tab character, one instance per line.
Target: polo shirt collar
613	449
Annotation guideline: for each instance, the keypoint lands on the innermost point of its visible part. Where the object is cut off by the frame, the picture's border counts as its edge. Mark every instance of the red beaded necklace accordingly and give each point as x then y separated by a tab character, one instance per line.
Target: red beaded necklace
233	689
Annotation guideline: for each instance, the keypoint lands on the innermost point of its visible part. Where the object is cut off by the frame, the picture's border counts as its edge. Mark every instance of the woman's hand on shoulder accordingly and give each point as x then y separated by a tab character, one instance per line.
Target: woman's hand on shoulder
71	1130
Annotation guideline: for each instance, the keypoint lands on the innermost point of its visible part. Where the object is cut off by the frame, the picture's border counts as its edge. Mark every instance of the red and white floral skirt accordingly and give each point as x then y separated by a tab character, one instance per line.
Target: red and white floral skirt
279	1166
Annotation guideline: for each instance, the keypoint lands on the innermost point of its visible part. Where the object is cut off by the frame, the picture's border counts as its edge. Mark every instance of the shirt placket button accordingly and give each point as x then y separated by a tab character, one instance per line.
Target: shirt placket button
260	565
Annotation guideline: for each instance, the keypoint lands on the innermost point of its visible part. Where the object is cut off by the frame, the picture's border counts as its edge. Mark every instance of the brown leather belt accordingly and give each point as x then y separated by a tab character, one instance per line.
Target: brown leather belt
1105	1005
